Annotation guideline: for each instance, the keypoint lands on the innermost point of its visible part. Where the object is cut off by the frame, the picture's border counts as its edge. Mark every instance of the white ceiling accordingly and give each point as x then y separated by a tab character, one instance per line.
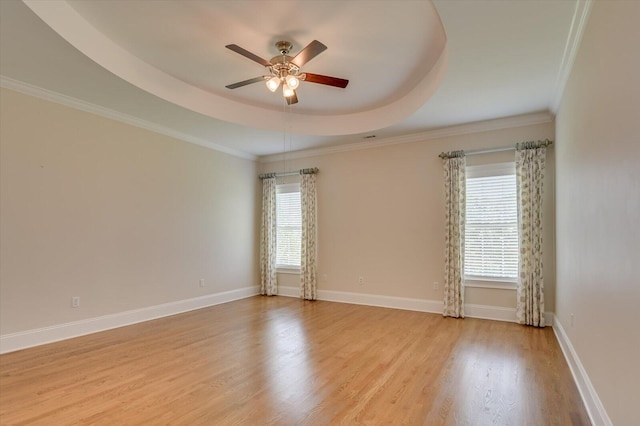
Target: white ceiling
164	65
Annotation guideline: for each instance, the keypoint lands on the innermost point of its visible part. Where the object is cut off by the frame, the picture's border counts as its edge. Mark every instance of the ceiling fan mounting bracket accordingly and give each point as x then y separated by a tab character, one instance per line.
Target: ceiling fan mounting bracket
284	47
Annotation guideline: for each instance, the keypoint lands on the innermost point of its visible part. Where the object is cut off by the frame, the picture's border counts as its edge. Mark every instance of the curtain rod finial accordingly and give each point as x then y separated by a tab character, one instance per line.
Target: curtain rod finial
451	154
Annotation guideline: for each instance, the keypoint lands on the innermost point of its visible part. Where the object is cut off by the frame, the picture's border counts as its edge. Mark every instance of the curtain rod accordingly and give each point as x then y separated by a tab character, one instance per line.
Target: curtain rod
310	171
523	145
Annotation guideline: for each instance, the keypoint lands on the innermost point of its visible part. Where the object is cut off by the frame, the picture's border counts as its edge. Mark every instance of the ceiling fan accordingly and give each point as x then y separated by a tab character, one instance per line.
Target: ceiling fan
286	70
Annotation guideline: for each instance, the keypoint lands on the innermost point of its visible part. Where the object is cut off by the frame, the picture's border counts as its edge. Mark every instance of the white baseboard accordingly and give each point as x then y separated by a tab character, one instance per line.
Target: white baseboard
288	291
597	414
411	304
495	313
26	339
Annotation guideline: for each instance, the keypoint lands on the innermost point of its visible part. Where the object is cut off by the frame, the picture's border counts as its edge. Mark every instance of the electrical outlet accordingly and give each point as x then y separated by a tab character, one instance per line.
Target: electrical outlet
201	282
436	285
325	277
572	319
75	302
360	280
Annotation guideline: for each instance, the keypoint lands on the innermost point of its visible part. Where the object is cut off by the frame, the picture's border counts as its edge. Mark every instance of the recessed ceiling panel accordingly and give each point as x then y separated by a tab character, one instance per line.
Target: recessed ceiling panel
176	51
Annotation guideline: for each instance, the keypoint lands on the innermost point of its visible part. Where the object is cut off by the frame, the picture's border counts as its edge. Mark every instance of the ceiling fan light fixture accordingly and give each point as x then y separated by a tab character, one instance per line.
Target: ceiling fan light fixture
285	70
292	81
287	91
273	83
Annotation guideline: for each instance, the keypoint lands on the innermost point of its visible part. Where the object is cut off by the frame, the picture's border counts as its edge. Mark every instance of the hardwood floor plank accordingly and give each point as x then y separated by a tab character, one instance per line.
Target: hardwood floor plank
284	361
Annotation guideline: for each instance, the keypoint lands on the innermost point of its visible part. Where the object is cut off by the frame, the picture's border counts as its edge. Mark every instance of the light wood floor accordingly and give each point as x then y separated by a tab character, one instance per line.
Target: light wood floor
283	361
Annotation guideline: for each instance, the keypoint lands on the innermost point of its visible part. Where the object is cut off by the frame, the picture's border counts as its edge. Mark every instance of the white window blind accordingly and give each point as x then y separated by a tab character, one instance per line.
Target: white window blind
289	224
491	227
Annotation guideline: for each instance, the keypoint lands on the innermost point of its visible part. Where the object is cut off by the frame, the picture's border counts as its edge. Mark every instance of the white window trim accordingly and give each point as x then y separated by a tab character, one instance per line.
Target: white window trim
493	169
480	282
484	170
284	189
285	270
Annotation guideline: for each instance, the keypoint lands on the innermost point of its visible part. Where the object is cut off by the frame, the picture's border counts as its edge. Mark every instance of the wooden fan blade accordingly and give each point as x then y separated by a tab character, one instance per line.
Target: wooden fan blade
248	54
312	50
325	79
293	99
245	82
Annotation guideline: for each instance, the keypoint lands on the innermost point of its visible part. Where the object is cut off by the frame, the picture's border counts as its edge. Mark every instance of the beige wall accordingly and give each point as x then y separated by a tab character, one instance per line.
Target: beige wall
381	216
122	217
598	206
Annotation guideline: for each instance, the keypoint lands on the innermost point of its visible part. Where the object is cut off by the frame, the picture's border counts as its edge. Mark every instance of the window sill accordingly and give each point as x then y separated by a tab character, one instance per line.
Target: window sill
292	271
501	285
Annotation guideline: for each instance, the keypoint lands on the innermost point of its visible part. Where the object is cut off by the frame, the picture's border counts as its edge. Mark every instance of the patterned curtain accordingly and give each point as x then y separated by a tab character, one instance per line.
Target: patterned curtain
455	188
268	233
530	159
308	277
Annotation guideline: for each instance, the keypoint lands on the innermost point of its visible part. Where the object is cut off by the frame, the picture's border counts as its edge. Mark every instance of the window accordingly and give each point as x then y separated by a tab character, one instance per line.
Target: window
491	226
289	224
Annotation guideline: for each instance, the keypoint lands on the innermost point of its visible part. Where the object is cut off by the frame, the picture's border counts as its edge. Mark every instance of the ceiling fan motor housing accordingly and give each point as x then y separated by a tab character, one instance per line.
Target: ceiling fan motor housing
281	66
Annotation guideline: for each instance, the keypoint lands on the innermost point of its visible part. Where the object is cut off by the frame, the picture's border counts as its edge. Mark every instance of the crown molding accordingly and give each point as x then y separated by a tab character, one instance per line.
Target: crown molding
578	24
443	132
438	133
49	95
